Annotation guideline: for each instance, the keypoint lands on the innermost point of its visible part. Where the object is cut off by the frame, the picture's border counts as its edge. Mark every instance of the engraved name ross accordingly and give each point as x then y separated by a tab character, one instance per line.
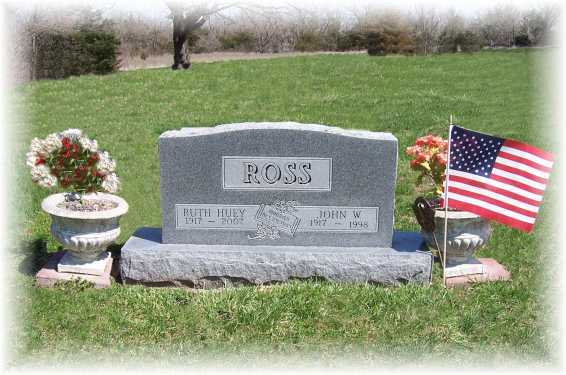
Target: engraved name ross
271	172
278	173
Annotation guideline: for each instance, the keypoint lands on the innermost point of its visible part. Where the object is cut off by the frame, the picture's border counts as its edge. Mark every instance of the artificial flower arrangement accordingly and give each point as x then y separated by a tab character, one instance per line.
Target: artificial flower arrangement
73	161
430	154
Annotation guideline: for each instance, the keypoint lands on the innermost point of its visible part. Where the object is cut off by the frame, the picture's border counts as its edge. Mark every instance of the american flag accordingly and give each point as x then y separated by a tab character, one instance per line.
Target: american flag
496	178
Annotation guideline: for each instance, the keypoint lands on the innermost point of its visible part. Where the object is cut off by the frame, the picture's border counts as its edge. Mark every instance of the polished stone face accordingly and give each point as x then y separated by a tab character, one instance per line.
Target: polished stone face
268	184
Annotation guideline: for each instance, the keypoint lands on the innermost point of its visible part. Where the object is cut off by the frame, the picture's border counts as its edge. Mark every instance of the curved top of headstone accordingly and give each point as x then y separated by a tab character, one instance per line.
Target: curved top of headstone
289	125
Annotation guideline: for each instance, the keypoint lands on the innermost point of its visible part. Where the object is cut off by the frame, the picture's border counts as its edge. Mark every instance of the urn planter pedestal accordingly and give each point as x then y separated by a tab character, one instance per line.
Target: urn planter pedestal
467	232
85	234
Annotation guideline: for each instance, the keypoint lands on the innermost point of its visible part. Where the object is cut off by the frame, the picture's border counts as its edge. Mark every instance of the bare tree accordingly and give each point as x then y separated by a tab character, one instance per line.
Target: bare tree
499	25
188	16
426	27
539	23
264	22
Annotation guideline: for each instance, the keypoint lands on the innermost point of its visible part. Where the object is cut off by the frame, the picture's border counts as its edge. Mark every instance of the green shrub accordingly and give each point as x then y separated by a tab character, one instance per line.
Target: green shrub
375	44
98	51
465	41
351	40
63	54
308	42
389	40
238	41
522	40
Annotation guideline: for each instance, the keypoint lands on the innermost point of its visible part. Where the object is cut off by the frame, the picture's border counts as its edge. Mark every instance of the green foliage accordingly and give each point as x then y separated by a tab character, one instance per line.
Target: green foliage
389	41
375	44
64	54
309	41
351	40
98	51
465	41
490	92
522	40
75	168
238	41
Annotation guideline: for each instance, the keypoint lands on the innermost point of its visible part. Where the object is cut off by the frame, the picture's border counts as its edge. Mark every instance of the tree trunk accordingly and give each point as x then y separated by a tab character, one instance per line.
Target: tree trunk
179	39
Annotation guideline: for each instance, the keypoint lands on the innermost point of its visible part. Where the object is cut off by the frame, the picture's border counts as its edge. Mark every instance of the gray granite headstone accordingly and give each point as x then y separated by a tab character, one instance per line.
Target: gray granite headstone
278	184
268	202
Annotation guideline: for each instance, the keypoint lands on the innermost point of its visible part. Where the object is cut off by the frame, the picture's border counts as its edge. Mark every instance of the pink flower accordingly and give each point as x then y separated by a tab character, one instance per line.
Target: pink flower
423	156
413	150
441	158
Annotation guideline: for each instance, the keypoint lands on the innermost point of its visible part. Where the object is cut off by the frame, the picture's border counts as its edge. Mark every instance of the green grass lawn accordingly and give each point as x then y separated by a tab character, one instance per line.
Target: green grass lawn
493	92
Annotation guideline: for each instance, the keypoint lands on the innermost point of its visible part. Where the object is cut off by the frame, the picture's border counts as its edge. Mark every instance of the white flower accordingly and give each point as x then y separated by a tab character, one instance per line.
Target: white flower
39	172
88	144
41	175
48	181
71	133
37	146
52	143
105	164
43	147
111	183
31	159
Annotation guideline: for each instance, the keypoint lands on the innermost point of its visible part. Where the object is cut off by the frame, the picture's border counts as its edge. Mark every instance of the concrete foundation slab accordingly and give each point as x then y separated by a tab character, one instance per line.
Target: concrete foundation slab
48	276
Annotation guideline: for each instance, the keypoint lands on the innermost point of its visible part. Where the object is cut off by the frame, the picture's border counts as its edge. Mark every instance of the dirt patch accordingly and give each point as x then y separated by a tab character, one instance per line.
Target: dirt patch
88	205
166	60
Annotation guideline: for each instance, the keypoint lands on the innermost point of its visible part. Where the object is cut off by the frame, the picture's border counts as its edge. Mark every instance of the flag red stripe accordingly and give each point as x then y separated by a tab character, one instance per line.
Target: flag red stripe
521	160
517	184
519	172
497	190
488	214
496	202
528	148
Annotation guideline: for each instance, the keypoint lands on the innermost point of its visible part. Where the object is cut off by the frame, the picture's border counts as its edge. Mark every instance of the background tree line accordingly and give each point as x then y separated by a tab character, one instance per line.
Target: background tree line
263	29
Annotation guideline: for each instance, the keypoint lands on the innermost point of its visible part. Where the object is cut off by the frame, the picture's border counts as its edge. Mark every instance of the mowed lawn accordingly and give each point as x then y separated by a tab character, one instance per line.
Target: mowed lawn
493	92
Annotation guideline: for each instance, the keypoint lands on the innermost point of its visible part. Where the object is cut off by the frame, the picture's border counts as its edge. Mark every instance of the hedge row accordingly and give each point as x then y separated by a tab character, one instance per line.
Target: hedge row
63	54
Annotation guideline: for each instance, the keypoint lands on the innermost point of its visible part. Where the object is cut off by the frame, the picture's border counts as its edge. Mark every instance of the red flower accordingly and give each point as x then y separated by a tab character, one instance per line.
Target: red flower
39	161
427	140
66	143
414	164
92	159
422	157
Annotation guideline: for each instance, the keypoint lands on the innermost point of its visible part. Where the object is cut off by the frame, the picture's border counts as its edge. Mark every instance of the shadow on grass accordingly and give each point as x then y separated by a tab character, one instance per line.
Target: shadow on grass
115	250
36	256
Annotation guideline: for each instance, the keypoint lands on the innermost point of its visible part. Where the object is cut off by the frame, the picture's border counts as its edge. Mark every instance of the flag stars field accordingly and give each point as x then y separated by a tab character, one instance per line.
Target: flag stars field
504	181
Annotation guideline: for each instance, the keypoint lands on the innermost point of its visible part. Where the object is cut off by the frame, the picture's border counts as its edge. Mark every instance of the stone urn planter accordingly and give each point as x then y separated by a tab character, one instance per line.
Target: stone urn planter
467	232
85	234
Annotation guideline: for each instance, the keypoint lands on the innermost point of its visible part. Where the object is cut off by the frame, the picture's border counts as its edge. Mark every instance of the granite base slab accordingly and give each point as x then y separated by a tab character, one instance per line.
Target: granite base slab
48	276
145	260
493	271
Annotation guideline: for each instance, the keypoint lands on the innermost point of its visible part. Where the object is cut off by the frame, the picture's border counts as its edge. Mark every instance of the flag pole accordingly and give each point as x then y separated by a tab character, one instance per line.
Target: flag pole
446	204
